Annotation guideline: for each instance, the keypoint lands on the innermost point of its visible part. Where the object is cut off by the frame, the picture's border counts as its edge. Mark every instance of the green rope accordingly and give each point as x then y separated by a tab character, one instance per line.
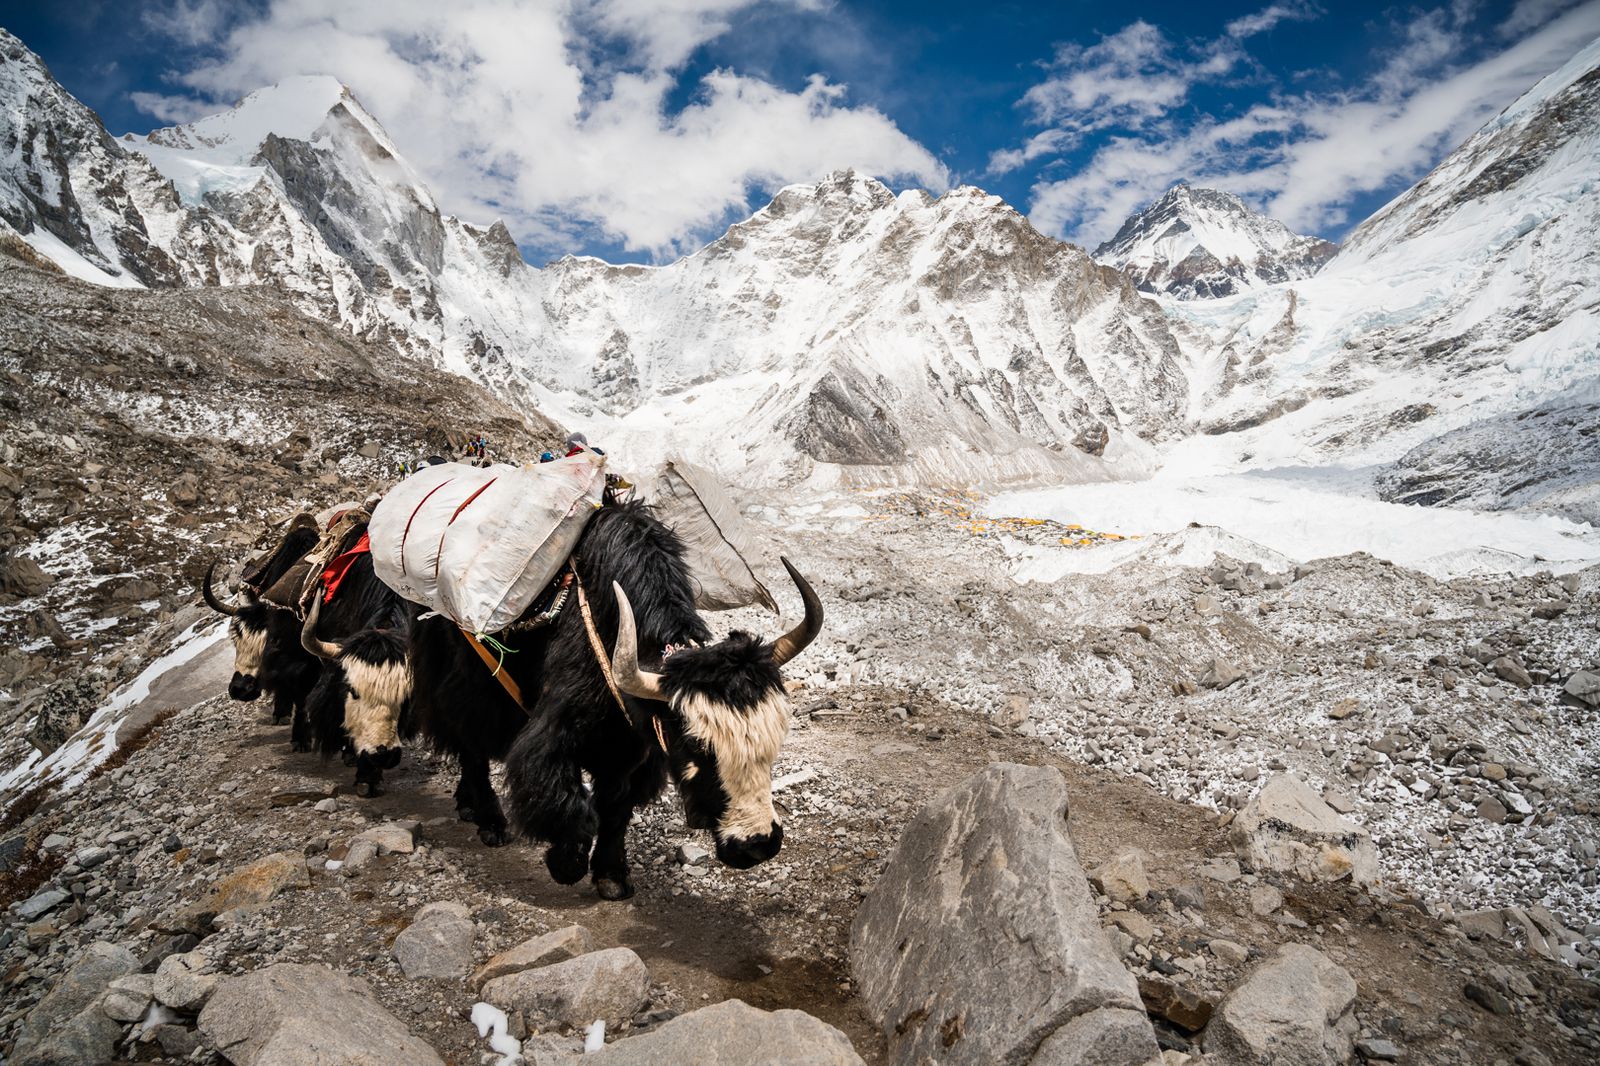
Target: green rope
500	648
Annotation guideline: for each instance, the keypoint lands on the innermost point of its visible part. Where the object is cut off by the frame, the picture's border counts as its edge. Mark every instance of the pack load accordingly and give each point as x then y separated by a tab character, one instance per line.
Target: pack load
693	503
478	544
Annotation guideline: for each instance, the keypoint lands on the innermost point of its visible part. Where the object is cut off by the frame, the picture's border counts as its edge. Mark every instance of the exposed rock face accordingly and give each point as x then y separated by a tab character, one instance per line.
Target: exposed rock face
981	939
733	1033
612	984
1290	829
293	1015
1198	244
1294	1010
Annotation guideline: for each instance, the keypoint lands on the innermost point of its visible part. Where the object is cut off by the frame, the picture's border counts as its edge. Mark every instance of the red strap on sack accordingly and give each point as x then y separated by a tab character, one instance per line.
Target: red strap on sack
334	572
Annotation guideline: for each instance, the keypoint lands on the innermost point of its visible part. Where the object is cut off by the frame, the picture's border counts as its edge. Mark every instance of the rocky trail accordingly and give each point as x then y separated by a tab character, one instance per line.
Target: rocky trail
391	889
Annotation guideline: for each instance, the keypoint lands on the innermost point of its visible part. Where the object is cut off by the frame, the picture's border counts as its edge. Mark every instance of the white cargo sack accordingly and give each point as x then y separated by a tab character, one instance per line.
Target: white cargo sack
695	506
478	544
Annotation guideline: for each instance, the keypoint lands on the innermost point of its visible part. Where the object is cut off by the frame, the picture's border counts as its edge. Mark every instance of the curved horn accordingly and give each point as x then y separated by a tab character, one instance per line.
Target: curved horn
794	642
322	649
211	597
625	655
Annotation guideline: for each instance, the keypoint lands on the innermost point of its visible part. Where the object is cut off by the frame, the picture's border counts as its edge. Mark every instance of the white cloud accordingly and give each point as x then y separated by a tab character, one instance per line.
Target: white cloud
1270	16
555	115
171	109
1302	158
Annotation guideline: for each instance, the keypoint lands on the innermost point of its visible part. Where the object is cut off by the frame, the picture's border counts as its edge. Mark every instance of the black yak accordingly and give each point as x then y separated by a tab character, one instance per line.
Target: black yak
362	635
267	656
712	716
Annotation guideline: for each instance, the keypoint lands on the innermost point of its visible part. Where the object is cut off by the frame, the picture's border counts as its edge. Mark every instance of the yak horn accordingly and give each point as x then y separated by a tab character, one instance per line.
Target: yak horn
322	649
794	642
625	656
211	597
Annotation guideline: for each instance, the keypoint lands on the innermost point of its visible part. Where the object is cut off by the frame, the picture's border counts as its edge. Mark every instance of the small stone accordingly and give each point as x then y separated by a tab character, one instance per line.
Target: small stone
556	946
1492	810
1508	669
392	838
41	902
1183	1008
327	806
1220	674
260	882
1224	870
1264	899
1378	1050
1123	877
1344	709
127	998
692	854
1487	998
1229	952
89	858
612	984
182	983
438	943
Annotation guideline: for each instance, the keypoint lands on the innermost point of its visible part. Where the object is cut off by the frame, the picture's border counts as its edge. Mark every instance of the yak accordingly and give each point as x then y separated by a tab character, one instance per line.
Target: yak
709	716
363	640
267	656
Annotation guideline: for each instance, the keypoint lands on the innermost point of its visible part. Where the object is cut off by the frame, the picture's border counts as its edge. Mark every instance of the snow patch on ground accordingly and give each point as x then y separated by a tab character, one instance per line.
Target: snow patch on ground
1302	514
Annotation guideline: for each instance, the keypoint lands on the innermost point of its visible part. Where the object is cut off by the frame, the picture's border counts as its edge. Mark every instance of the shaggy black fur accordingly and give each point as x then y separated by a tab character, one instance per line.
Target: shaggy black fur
374	625
286	670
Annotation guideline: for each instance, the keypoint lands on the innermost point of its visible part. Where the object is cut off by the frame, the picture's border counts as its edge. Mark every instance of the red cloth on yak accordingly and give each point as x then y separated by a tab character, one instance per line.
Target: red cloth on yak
334	572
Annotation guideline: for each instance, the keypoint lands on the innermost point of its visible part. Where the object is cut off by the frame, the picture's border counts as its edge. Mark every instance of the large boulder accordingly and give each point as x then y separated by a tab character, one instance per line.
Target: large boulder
20	576
67	1026
981	940
438	943
1294	1010
612	984
733	1033
289	1014
1287	828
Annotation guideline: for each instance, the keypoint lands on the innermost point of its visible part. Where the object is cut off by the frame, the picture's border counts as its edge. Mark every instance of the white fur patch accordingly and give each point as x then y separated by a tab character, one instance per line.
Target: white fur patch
746	744
372	715
249	645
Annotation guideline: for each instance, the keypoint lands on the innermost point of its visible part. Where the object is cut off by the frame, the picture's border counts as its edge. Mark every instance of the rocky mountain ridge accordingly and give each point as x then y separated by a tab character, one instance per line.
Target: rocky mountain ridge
1197	244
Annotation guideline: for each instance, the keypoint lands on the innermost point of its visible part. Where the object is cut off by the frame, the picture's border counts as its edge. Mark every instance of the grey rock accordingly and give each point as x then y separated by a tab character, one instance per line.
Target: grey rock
183	982
1221	674
1508	669
1584	686
1100	1038
41	903
392	838
692	854
555	946
89	858
1289	829
733	1033
438	943
89	1038
127	998
612	984
1294	1010
1378	1050
77	990
1123	877
981	937
21	576
289	1014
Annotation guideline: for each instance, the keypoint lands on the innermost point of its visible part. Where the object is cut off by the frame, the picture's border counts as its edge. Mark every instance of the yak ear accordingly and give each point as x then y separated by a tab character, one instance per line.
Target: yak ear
625	655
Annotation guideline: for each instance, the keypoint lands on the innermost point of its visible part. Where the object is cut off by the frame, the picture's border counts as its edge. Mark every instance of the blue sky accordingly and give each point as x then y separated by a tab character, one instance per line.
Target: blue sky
637	129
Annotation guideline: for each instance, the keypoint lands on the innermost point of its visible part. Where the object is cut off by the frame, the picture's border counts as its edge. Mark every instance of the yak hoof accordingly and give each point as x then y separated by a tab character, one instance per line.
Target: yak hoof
567	867
299	745
613	890
368	789
493	836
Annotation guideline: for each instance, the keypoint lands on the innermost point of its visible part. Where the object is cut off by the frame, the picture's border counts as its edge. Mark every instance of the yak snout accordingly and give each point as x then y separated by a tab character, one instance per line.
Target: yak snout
741	853
244	687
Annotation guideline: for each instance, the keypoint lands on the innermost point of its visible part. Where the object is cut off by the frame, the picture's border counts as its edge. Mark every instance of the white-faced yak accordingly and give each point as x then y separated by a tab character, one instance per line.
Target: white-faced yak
709	715
362	636
267	656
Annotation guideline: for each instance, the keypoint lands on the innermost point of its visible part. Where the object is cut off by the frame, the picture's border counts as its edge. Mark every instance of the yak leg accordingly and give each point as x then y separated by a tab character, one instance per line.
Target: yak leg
548	798
476	801
610	859
300	728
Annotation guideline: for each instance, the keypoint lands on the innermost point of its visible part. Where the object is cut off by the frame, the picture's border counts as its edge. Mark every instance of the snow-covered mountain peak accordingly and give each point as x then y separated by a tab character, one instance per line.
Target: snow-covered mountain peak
1195	243
292	108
